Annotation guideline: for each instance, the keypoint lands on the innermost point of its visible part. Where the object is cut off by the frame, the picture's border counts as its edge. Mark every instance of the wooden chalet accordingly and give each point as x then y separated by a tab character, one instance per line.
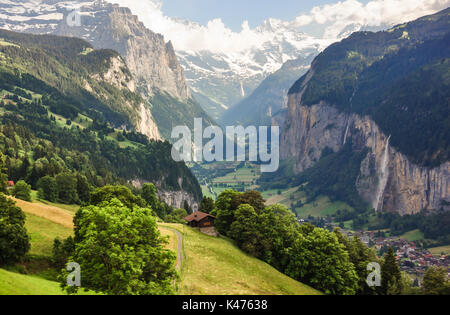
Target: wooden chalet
200	220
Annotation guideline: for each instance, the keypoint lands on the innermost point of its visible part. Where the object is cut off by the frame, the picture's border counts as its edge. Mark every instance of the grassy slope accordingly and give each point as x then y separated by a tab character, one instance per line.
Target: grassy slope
415	235
44	223
17	284
52	213
42	233
216	266
171	238
322	207
211	265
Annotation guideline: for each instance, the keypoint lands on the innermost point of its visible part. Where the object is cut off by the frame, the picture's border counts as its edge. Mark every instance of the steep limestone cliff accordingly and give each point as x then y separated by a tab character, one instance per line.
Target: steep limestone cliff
388	92
151	60
119	76
387	180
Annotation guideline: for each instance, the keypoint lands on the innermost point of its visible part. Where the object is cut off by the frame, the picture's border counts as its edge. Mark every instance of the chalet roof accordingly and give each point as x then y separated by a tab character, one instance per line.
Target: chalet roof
198	216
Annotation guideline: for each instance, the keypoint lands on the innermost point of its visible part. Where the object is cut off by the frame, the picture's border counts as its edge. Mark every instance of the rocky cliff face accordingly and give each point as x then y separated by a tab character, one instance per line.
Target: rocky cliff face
387	179
119	76
159	77
378	91
151	60
175	199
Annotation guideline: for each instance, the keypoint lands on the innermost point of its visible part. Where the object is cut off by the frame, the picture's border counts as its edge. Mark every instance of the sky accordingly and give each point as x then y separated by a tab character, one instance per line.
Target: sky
234	12
230	26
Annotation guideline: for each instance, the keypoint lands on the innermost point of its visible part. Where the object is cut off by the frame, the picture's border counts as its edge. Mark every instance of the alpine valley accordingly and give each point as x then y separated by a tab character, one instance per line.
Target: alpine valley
90	96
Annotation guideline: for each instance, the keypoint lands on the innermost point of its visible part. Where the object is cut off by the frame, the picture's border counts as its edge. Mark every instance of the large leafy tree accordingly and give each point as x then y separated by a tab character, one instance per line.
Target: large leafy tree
121	252
61	251
245	230
67	188
22	191
150	196
122	193
224	211
319	260
280	229
47	188
14	240
229	201
253	198
83	188
360	256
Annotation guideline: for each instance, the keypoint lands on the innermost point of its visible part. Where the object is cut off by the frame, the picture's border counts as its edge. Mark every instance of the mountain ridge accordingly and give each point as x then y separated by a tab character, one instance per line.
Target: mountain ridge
151	60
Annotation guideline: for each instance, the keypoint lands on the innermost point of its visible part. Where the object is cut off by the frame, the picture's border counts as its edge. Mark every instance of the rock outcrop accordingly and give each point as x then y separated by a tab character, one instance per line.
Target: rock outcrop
173	198
176	199
387	180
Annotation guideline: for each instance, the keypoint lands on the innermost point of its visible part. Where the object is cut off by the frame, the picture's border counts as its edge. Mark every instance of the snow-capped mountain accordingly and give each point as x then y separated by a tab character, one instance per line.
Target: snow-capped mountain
218	78
219	81
35	16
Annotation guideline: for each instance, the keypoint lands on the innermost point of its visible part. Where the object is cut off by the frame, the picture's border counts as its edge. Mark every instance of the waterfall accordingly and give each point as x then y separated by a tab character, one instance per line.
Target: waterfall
346	131
384	176
349	118
242	90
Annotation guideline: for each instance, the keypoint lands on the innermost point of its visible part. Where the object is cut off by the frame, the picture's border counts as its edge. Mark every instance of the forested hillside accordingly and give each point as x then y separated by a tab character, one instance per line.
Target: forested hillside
61	114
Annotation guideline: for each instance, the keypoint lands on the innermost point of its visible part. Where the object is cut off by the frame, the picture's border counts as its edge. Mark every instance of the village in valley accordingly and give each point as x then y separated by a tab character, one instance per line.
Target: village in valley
412	258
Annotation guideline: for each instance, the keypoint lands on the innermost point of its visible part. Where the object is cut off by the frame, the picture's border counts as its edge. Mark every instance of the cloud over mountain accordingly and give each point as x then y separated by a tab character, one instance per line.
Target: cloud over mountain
332	20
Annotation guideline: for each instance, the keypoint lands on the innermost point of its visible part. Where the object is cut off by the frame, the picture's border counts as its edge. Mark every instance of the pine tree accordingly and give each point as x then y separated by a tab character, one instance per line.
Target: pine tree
391	278
187	207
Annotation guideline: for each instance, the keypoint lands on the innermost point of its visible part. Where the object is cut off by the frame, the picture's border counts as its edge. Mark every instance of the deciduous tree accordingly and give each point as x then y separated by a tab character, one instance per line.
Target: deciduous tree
48	188
121	251
14	240
22	191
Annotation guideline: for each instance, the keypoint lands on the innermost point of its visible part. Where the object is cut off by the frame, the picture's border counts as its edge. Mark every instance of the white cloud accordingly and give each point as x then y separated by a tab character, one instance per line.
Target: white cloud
375	13
333	18
214	37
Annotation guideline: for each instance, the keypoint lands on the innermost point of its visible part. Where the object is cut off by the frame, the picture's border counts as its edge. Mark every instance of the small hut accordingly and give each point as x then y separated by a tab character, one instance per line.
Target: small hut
200	220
